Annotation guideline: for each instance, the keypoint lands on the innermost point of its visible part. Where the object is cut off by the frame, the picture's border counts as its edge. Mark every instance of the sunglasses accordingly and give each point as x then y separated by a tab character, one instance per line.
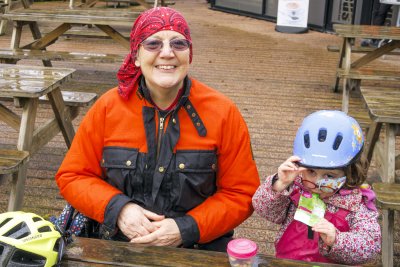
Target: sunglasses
155	45
327	185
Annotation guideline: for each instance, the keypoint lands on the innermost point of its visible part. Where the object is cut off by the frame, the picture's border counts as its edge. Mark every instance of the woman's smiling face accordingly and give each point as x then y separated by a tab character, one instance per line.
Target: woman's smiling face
164	69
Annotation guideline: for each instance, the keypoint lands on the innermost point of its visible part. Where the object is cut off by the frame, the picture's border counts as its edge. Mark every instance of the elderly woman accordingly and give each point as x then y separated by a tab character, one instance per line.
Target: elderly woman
162	159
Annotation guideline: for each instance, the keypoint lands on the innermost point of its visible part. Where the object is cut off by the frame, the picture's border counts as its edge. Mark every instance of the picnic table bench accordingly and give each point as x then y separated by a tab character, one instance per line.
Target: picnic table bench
11	160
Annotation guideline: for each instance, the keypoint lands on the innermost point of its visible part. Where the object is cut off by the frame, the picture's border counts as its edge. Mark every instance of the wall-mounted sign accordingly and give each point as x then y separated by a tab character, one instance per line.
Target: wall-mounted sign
292	16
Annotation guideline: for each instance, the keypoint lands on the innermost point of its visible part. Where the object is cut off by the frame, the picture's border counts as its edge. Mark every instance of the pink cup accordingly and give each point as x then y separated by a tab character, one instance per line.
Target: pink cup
242	252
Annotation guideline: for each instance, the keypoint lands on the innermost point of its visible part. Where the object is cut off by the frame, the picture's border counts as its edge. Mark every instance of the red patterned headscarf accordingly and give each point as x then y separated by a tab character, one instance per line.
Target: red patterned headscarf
148	23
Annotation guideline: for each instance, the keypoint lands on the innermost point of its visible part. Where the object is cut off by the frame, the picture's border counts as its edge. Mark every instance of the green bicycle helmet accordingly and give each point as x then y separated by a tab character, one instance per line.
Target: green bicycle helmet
26	239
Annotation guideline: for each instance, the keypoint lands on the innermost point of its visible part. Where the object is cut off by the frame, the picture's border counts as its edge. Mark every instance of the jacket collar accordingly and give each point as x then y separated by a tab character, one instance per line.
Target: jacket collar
143	91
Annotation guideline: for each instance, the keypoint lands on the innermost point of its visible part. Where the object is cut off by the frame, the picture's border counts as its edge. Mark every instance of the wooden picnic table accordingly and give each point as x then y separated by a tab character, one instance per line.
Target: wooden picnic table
26	85
66	19
383	104
350	71
102	253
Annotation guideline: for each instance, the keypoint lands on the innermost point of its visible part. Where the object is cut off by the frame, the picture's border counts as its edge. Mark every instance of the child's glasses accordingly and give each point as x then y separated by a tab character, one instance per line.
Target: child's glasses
327	185
155	45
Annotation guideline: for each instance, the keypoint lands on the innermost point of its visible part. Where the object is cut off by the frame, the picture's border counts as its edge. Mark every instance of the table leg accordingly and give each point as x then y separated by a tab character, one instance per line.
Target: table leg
341	55
29	109
371	139
387	237
33	26
346	65
62	115
3	23
388	163
115	35
16	35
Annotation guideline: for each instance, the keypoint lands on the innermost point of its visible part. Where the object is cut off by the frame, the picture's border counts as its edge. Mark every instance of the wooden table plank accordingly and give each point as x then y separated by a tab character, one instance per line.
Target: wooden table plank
85	252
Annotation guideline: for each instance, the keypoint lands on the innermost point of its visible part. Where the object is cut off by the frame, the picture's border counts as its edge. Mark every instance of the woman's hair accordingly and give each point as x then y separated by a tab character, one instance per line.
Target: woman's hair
356	172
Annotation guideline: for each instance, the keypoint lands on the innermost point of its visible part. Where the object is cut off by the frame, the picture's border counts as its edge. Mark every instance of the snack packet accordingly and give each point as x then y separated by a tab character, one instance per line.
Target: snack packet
310	209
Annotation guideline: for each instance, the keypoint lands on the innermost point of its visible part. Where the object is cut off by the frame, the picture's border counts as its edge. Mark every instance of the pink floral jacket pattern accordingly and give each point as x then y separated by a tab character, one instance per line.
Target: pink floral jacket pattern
360	245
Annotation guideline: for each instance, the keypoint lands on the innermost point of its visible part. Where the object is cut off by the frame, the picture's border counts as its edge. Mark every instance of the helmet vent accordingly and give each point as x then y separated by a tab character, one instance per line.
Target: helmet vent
5	221
25	258
322	135
337	142
44	229
19	231
307	140
36	219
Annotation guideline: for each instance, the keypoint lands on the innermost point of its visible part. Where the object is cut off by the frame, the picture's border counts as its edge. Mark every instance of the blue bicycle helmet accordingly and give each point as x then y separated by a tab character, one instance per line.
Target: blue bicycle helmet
328	139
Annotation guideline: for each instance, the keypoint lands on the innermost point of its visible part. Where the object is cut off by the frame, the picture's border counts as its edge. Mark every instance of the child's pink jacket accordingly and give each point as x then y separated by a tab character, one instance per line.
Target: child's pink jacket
360	245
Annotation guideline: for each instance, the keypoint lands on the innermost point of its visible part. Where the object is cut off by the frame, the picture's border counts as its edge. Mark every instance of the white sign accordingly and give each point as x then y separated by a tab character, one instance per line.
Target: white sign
292	13
393	2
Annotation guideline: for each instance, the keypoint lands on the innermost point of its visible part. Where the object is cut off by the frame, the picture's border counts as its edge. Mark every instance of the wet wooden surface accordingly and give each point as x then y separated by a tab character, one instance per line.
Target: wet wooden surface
78	16
30	81
95	252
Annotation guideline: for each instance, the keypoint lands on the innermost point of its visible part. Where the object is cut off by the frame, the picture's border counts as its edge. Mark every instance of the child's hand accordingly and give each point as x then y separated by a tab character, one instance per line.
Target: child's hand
326	230
287	172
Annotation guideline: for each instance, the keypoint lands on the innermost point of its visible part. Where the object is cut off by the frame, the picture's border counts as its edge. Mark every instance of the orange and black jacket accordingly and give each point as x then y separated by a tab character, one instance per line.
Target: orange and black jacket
193	164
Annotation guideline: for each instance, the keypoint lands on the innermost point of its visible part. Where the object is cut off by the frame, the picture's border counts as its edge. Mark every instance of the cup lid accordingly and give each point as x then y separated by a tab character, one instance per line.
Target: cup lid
242	248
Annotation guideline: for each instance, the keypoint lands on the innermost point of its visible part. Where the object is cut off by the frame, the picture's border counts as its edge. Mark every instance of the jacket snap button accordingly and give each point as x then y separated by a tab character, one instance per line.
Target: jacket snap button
102	161
188	106
193	115
161	169
128	163
181	166
173	120
213	166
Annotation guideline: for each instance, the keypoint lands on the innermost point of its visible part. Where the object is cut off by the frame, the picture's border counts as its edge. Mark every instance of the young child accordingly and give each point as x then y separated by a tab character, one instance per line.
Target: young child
326	212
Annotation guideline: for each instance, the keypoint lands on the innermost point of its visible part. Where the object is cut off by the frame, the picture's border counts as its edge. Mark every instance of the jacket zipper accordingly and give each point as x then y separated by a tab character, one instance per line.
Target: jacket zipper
160	133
